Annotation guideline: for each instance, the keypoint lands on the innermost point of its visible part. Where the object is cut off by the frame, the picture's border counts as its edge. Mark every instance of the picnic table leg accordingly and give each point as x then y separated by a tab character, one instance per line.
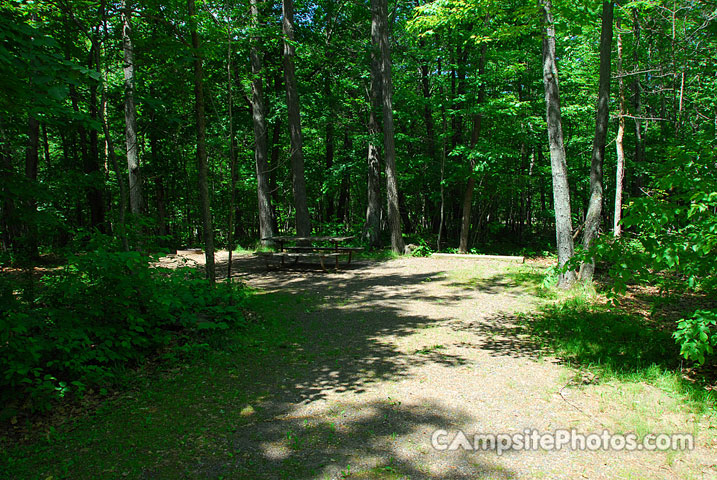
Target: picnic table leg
282	260
349	262
321	259
337	262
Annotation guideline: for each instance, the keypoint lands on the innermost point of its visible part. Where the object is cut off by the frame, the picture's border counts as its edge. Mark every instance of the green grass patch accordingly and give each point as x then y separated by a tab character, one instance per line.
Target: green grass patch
528	278
615	346
167	417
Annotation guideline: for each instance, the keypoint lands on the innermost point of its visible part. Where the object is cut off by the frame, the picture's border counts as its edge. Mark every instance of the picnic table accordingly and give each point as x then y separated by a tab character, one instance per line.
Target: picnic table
306	249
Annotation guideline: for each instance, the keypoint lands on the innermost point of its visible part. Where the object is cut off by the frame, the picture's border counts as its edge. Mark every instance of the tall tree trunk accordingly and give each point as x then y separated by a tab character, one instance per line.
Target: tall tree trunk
444	123
30	242
303	222
46	147
372	229
620	169
330	148
8	221
427	110
110	144
266	222
92	161
470	187
561	188
594	212
202	162
232	154
380	8
637	105
130	112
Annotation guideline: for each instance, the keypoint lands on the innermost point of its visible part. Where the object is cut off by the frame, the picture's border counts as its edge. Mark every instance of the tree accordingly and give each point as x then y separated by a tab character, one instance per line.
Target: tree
303	222
561	189
477	121
619	147
594	213
258	109
379	10
130	112
372	227
202	146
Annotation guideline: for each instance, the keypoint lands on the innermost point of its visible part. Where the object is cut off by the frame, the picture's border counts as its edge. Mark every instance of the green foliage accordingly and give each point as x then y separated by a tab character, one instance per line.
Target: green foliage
423	249
670	242
591	335
103	312
697	335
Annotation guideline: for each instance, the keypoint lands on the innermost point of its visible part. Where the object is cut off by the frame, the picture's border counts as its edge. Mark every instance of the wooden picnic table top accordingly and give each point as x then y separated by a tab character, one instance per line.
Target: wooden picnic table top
287	238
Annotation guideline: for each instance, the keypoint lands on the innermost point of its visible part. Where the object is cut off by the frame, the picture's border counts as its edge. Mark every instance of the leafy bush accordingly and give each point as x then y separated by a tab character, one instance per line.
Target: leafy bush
671	242
697	335
102	312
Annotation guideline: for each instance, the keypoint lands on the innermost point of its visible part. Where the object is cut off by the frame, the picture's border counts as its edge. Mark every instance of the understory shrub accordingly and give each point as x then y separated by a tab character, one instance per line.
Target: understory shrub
78	327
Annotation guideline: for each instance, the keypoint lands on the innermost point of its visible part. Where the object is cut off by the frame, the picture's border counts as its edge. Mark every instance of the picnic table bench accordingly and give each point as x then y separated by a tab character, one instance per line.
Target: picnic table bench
306	250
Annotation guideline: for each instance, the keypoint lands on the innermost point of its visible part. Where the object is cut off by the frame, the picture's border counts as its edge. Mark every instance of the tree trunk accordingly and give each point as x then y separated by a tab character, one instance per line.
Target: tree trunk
46	147
470	187
594	212
427	110
130	112
379	8
561	189
303	222
444	124
8	220
330	149
637	104
266	222
620	169
110	145
92	161
202	163
30	242
232	155
372	230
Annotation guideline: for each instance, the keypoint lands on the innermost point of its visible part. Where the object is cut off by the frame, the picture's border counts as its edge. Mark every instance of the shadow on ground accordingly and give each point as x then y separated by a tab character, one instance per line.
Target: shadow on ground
255	407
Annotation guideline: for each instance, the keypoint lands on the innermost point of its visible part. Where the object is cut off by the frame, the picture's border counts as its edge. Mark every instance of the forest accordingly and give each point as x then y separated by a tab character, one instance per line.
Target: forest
581	134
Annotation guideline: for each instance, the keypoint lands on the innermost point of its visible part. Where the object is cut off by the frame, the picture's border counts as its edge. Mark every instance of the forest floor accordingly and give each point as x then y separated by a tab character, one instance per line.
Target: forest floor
347	374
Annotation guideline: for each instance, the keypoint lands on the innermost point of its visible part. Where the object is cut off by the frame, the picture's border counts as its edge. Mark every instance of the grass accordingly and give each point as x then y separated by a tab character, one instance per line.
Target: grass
175	421
168	417
615	346
378	255
528	278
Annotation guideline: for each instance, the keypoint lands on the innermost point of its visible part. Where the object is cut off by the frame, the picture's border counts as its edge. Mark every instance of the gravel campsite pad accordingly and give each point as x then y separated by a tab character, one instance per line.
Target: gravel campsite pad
350	373
393	351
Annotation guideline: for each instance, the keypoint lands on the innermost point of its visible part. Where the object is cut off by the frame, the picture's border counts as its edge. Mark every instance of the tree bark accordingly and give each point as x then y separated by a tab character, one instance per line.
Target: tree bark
379	8
202	162
330	148
470	187
561	189
637	105
8	221
30	242
110	144
594	212
444	124
232	155
372	230
92	161
130	112
266	222
620	169
303	221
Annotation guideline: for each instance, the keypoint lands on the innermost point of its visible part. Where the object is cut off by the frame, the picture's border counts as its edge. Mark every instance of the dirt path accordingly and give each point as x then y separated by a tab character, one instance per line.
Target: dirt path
390	352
